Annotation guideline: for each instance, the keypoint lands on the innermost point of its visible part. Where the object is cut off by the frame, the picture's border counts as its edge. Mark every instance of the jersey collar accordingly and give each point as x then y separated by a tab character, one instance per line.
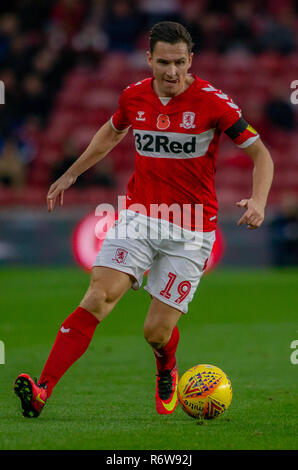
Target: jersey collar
175	100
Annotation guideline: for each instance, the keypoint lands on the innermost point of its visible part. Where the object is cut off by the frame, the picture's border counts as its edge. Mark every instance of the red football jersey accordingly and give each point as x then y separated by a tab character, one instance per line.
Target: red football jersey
176	146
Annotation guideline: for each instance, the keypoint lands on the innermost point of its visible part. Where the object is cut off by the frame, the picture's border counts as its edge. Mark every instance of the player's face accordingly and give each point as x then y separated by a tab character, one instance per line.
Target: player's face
170	64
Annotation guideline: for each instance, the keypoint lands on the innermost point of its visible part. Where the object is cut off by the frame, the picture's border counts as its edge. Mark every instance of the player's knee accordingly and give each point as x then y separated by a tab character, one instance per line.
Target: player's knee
95	299
156	337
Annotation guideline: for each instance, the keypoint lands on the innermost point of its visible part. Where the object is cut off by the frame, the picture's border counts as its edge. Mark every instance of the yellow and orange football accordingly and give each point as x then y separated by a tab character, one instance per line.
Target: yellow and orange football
204	391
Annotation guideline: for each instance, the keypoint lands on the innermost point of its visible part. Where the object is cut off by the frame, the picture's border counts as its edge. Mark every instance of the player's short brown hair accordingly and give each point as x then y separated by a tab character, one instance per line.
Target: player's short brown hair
169	31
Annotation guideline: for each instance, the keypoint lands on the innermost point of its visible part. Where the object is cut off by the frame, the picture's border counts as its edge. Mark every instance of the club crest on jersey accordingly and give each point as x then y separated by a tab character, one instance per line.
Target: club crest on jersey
120	255
163	121
188	120
141	116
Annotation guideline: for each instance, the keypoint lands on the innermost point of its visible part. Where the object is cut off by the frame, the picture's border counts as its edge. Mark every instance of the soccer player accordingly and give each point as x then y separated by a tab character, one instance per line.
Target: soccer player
177	119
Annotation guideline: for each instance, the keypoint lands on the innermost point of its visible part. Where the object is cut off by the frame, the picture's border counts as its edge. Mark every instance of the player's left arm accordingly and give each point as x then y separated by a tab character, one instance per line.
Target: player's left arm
229	120
262	179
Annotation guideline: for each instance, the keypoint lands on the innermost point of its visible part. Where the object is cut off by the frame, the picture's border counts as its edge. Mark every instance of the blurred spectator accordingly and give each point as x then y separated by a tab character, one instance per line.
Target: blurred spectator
9	26
91	38
12	168
218	6
241	29
50	66
34	99
213	26
100	175
103	174
278	110
29	135
68	15
122	25
69	156
9	111
283	231
33	15
20	54
97	10
191	16
44	63
157	10
279	33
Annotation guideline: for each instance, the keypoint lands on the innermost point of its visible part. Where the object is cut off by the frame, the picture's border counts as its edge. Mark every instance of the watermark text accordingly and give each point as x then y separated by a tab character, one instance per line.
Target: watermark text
294	94
157	222
294	355
2	353
2	94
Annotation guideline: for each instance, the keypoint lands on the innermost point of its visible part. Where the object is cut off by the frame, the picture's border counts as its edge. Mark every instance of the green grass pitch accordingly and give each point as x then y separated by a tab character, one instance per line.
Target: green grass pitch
241	321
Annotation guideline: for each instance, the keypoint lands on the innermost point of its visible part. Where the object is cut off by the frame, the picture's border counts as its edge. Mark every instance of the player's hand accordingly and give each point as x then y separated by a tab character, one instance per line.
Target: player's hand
57	190
253	216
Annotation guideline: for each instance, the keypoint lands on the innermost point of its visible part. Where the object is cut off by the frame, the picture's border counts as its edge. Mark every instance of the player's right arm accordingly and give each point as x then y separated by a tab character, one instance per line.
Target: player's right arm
106	138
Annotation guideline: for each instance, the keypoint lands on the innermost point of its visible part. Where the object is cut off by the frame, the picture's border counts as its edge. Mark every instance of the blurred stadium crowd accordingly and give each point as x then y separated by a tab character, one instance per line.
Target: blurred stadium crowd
65	62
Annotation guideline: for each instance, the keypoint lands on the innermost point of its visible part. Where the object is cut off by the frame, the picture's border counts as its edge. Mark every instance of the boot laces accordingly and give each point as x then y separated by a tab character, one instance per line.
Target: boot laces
42	385
164	384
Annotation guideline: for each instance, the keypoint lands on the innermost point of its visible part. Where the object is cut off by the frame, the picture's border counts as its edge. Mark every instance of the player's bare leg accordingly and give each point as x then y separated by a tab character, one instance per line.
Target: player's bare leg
106	288
161	332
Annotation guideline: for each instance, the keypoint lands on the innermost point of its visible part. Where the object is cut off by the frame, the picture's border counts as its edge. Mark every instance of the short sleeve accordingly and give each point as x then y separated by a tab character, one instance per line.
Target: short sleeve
228	111
119	120
227	117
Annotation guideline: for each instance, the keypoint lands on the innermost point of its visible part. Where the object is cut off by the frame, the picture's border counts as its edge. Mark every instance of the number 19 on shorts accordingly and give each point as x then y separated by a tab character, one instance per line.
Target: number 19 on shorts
183	289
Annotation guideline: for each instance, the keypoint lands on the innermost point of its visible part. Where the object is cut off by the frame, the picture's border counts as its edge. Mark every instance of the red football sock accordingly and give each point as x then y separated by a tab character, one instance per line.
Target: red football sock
165	356
71	342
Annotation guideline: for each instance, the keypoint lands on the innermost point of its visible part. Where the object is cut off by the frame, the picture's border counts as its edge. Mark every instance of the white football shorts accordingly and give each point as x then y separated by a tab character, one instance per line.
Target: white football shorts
173	258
